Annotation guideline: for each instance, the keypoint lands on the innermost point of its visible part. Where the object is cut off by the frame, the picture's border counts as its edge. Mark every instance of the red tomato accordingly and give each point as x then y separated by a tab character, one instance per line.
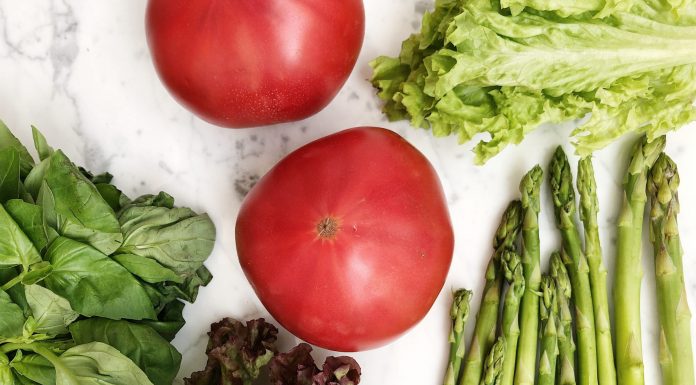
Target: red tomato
244	63
347	241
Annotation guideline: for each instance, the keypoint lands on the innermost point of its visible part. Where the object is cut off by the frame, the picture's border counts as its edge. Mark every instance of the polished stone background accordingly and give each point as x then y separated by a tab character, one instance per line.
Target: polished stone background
81	72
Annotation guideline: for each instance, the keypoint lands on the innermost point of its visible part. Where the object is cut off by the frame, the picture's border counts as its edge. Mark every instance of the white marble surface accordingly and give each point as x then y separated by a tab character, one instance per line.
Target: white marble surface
80	71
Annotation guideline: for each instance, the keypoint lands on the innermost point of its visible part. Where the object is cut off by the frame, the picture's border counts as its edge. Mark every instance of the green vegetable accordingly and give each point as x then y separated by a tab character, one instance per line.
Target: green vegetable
493	369
34	367
147	349
11	318
177	238
29	217
529	313
459	314
74	207
564	333
628	270
589	206
8	140
15	247
52	312
563	195
94	284
504	68
487	319
676	354
95	363
548	312
514	275
63	261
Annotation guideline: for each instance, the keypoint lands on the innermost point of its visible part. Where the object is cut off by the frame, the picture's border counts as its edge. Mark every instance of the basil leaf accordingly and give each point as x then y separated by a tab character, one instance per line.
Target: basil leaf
29	218
37	272
15	247
52	312
34	368
11	318
16	292
112	195
7	140
147	349
10	182
42	148
169	321
74	208
147	269
94	284
6	375
34	180
177	238
97	363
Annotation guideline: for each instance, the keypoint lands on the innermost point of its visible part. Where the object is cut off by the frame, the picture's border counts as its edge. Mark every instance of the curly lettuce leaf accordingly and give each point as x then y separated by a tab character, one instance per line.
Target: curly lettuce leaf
236	352
478	70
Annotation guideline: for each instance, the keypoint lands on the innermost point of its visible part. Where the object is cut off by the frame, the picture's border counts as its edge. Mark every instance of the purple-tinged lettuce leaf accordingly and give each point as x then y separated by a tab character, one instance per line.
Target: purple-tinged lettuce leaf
236	352
295	367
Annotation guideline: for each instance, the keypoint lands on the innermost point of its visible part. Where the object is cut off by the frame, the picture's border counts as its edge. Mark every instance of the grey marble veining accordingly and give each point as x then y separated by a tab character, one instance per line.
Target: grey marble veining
81	72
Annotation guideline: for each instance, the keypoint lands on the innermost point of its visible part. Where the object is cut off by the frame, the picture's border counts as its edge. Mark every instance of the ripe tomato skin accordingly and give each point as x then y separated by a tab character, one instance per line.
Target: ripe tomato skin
381	271
245	63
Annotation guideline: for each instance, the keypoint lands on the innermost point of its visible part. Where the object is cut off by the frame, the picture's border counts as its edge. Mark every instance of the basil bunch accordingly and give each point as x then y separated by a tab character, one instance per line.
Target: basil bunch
91	282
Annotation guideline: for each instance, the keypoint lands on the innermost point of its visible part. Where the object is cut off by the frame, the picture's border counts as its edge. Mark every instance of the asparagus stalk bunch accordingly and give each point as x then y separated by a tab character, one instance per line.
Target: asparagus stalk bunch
459	314
513	272
563	194
629	273
676	355
566	345
548	311
529	313
589	207
487	319
494	363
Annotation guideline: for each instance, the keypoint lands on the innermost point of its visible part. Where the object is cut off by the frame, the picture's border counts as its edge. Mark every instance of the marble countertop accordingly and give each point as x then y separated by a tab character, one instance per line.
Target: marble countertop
81	72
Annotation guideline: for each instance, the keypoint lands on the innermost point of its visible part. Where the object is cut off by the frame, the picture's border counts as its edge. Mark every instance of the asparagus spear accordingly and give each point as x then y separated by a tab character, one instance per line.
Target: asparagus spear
564	204
548	311
566	346
494	363
529	311
589	206
512	269
676	355
487	319
628	270
459	314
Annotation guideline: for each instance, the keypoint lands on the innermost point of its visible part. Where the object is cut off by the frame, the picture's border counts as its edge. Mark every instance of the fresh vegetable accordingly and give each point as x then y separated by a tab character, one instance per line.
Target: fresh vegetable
514	275
297	368
548	312
566	344
487	319
589	206
676	354
529	313
493	369
237	353
245	63
340	228
563	194
91	283
504	68
629	272
459	314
